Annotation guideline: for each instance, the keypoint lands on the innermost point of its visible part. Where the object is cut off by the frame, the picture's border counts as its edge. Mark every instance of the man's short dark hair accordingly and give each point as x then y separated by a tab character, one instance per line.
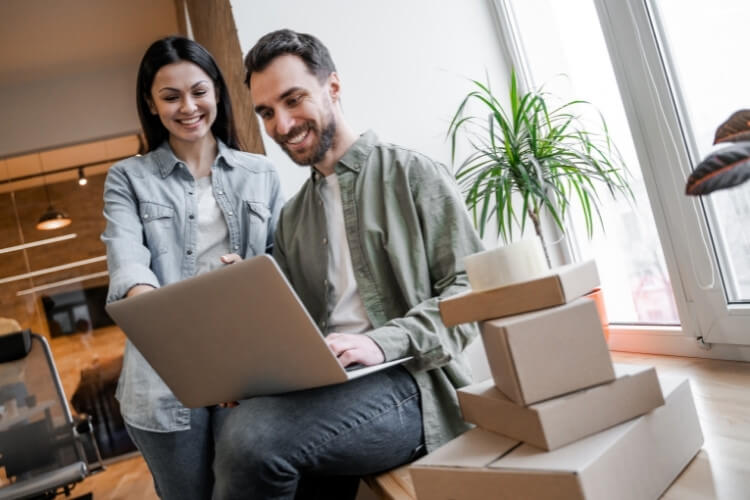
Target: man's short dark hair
313	53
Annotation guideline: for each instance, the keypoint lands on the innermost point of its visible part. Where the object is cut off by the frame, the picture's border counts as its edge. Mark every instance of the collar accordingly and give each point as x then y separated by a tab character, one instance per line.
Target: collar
354	157
167	161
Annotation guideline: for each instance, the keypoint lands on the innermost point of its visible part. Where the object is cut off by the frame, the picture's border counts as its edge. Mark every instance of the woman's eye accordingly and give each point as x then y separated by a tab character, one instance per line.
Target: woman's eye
171	98
199	92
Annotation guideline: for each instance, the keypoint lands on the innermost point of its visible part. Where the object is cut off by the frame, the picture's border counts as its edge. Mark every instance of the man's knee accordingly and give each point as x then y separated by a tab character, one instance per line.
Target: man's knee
247	443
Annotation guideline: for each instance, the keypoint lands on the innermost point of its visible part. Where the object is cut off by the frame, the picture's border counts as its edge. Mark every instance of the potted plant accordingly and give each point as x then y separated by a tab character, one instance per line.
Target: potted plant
528	158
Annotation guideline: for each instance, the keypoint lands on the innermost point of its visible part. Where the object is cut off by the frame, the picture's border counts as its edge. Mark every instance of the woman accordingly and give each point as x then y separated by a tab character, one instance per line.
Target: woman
191	204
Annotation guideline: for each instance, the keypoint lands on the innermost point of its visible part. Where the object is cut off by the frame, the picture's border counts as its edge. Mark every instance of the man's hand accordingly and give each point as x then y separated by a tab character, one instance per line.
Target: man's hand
352	348
230	258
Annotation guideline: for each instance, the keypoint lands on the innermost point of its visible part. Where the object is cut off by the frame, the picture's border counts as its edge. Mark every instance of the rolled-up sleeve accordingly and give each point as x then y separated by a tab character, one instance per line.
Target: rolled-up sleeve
447	237
128	259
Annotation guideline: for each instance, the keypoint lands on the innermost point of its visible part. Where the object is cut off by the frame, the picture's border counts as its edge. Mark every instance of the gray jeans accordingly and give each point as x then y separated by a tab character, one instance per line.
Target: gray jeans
181	462
316	443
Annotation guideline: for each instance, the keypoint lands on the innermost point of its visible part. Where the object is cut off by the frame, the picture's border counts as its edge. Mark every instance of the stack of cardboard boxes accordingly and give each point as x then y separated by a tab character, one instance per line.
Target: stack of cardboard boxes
558	419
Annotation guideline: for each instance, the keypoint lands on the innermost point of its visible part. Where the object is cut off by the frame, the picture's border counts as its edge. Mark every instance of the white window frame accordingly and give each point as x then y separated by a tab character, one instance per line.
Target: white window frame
710	327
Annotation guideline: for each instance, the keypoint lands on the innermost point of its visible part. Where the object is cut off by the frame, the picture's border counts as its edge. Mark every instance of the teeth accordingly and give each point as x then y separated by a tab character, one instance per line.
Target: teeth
190	121
297	138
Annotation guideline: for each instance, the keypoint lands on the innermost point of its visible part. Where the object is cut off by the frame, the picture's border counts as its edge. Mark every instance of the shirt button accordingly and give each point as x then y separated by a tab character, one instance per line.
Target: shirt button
145	216
191	216
325	282
323	324
236	247
231	213
190	192
190	252
219	192
325	241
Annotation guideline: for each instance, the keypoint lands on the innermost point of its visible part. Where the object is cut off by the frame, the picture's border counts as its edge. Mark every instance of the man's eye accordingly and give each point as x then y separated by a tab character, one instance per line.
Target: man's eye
293	101
266	115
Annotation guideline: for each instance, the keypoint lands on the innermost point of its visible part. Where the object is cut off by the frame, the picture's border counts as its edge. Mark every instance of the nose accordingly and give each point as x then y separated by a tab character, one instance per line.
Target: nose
284	123
187	105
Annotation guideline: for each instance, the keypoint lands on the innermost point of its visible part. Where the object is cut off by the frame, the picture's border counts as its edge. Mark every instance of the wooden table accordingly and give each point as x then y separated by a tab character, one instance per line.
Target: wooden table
721	390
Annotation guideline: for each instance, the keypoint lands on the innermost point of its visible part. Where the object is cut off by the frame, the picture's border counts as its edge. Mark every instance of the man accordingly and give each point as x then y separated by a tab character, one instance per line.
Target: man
371	241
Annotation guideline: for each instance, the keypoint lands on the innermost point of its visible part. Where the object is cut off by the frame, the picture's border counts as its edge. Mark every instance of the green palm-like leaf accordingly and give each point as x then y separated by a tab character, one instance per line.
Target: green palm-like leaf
542	153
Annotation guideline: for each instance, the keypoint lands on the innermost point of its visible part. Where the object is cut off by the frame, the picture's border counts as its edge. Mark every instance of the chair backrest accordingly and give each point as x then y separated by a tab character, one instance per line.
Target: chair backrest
36	428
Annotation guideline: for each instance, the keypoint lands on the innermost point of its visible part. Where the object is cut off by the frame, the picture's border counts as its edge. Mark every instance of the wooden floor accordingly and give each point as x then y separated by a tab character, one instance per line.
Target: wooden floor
721	470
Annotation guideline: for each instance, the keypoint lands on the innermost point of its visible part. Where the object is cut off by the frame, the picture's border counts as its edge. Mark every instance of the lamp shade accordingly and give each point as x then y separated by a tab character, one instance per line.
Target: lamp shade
53	219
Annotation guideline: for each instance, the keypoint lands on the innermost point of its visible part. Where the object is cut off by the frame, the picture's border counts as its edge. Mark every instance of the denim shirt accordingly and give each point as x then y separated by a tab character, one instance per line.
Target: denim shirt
150	206
408	231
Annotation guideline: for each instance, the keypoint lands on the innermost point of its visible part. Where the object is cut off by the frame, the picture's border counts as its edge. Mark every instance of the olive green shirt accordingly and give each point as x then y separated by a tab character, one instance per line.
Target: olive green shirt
408	232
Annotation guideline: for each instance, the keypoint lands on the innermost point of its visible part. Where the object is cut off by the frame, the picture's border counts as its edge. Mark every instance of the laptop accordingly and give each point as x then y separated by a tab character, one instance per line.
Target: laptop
232	333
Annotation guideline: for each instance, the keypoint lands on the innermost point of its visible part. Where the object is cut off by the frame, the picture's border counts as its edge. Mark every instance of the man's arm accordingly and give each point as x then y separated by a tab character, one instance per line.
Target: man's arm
448	237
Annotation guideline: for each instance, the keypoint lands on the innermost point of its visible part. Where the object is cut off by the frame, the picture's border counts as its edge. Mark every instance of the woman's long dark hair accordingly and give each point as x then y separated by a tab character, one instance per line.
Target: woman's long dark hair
170	50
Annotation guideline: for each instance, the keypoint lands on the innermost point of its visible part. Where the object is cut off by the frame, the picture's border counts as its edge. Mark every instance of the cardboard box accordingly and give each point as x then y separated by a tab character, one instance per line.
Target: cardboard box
547	353
635	460
559	421
563	285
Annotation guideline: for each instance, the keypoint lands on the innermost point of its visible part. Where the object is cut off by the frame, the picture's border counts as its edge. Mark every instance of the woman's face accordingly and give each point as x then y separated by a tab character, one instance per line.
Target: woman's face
184	97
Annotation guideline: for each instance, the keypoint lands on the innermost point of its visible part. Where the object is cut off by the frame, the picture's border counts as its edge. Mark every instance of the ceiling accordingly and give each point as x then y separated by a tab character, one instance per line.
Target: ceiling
42	39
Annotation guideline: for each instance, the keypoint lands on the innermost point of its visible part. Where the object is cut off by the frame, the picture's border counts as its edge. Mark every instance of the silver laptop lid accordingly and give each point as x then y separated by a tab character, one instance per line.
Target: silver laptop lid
229	334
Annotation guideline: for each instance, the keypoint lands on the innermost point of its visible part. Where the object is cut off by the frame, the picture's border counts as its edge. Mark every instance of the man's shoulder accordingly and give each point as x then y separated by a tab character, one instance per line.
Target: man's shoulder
409	161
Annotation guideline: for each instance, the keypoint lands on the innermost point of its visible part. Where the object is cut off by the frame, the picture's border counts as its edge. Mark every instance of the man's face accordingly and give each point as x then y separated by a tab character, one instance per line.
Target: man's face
296	109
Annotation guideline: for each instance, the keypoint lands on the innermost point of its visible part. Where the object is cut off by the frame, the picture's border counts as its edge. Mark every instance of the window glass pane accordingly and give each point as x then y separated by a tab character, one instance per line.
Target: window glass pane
566	53
707	45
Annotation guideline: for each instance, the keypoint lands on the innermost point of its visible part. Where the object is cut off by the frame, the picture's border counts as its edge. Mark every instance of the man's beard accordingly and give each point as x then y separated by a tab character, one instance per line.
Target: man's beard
325	142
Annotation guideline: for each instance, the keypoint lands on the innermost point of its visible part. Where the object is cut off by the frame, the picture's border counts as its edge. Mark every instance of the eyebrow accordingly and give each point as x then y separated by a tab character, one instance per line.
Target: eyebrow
283	96
200	82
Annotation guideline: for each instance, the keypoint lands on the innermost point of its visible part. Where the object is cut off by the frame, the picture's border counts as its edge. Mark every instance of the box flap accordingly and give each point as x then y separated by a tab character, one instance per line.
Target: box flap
499	358
474	448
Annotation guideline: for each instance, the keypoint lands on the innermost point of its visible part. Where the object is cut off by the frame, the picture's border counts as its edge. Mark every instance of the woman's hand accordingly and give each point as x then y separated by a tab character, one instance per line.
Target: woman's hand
230	258
138	289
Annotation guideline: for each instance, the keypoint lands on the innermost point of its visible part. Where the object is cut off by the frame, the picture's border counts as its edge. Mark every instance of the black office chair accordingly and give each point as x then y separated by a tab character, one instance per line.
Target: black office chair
43	451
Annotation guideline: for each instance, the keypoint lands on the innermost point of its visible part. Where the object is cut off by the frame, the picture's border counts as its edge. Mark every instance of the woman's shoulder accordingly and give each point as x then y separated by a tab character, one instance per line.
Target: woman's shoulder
251	162
136	165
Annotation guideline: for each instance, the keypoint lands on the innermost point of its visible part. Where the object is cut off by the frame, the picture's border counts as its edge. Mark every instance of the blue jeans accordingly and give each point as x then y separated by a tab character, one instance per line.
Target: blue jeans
181	462
320	440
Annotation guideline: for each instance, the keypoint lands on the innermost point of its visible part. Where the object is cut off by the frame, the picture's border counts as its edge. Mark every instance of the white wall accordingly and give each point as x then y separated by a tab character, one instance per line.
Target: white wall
404	64
68	109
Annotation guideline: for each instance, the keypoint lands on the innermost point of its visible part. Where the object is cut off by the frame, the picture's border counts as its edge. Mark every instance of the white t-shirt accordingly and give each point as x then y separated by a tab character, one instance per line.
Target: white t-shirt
349	314
213	233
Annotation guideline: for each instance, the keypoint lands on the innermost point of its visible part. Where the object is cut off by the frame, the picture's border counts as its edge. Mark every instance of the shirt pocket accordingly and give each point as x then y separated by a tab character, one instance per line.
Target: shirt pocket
158	226
258	215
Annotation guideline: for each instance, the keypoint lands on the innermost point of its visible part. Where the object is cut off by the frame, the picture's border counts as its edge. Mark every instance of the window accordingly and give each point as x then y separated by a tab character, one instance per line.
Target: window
565	52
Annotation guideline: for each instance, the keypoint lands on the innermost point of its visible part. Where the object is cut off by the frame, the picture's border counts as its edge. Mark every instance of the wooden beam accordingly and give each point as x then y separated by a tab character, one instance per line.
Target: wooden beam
213	27
182	22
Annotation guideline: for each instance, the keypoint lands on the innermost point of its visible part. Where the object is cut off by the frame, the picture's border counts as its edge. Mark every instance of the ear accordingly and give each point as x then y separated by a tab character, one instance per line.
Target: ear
334	87
151	106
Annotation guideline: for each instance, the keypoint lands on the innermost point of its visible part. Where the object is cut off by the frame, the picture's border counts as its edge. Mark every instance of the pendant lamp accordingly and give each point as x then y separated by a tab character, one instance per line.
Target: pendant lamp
51	218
